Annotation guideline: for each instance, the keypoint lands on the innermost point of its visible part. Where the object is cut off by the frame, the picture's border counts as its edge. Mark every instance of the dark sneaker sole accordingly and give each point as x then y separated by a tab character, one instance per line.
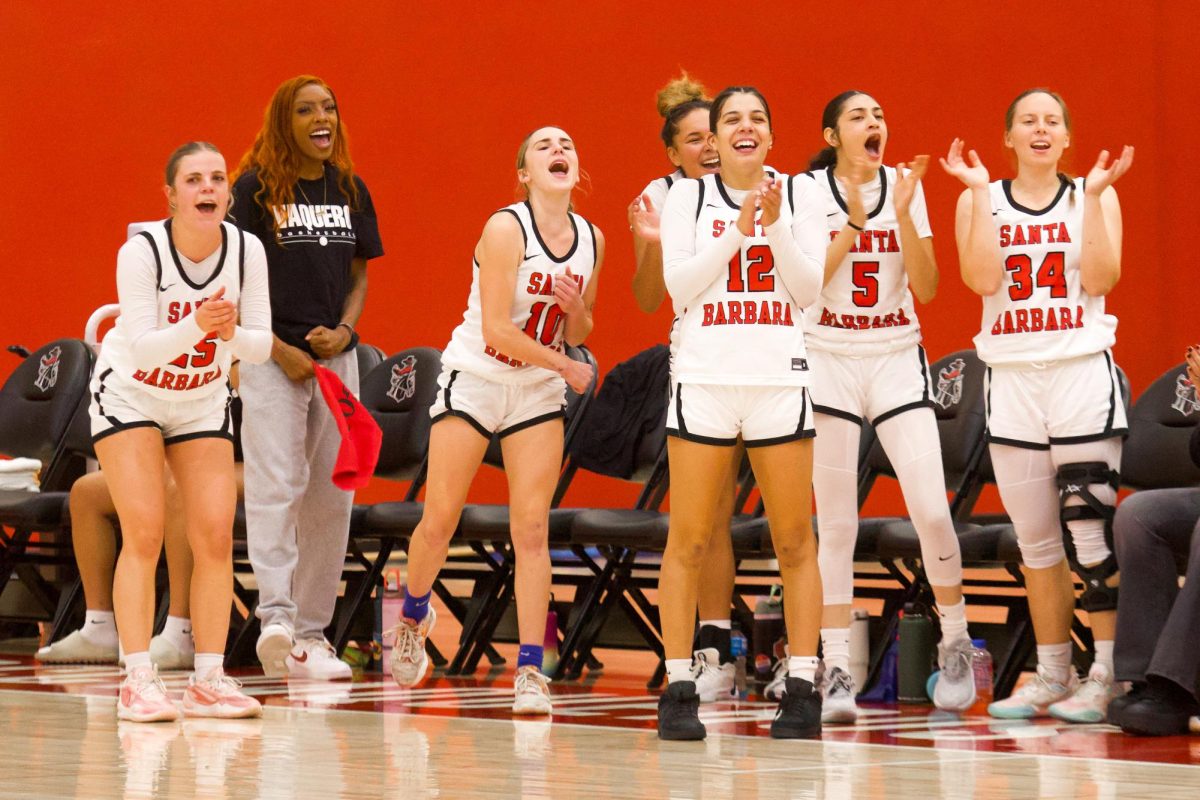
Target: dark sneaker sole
683	736
795	733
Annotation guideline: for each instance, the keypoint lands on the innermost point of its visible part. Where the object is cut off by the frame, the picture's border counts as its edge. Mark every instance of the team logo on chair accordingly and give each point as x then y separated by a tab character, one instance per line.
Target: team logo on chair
48	370
950	379
1186	399
404	379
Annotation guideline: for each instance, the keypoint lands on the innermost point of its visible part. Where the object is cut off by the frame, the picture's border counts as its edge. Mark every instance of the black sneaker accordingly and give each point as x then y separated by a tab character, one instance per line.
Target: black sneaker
1163	710
1117	706
679	713
799	714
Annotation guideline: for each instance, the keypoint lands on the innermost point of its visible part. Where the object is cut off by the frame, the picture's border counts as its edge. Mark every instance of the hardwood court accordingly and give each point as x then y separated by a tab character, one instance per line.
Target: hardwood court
456	739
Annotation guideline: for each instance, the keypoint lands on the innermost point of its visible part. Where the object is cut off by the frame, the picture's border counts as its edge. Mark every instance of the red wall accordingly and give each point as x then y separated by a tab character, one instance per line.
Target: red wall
436	102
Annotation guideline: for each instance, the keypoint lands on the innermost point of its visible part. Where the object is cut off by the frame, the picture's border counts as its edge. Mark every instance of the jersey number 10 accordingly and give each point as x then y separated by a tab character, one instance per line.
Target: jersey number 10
544	321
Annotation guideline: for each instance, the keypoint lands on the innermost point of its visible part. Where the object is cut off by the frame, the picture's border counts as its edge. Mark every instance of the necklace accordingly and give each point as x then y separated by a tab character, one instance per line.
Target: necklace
324	200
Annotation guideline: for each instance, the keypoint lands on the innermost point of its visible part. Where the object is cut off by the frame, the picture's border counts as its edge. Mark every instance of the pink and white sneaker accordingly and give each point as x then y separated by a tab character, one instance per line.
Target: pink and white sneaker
143	698
218	695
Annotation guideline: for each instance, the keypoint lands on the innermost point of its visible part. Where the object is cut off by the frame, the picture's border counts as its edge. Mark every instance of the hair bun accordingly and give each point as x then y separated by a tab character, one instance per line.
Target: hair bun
679	91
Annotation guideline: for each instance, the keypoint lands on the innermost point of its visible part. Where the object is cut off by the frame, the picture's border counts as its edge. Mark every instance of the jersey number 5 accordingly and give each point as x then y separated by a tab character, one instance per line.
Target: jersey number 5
1051	274
866	284
201	356
759	263
544	321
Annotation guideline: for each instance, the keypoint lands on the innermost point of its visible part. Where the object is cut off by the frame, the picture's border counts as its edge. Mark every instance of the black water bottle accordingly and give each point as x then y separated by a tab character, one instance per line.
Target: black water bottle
916	653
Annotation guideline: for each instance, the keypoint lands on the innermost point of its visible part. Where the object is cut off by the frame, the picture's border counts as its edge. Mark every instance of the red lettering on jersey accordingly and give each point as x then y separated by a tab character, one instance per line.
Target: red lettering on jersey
718	227
1005	235
1063	236
750	309
893	245
720	320
173	314
166	380
535	284
1035	234
764	314
708	315
901	319
996	327
1051	320
1019	235
1022	320
1079	316
1008	323
1064	319
1035	320
735	312
828	319
866	243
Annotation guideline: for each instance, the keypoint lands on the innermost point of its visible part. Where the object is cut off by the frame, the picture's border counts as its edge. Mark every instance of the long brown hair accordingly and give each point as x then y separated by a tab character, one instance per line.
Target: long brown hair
275	157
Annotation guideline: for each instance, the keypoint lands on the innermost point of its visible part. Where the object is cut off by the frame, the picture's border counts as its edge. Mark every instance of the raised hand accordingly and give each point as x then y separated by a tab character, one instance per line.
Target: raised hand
770	198
567	294
217	315
974	174
750	206
1103	174
906	184
644	219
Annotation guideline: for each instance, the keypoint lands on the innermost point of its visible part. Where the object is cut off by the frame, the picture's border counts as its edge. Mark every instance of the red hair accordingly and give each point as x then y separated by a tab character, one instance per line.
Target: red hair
276	157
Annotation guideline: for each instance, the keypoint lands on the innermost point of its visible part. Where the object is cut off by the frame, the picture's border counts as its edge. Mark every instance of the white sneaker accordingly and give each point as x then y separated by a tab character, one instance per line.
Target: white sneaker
220	696
1034	698
143	698
274	645
714	680
77	649
955	687
167	655
409	661
774	689
316	660
532	692
1089	702
837	701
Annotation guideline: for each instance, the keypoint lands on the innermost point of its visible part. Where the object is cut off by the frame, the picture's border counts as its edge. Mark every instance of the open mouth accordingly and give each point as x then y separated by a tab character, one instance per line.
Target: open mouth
874	145
322	138
711	164
745	145
559	167
207	207
1040	147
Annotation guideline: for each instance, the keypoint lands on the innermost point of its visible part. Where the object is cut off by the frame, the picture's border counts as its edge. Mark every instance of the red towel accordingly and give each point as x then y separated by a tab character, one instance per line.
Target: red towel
361	436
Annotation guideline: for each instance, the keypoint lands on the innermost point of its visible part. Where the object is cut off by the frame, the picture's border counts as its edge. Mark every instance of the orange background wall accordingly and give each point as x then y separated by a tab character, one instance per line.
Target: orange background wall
436	102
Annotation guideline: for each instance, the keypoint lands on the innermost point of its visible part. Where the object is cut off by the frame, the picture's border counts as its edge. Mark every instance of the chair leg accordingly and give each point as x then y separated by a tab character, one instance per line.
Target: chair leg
587	606
69	602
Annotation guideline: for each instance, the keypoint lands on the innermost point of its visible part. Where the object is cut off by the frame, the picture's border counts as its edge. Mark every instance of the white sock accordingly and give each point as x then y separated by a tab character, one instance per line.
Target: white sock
835	646
178	632
100	627
137	661
723	624
802	667
954	622
679	669
1055	661
1104	655
206	663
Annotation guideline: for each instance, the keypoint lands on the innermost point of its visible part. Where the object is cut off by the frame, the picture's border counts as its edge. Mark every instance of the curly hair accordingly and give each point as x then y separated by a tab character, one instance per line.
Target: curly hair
275	157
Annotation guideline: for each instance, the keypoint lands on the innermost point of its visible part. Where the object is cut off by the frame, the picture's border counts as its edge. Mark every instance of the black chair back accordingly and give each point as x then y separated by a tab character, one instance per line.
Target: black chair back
369	357
1155	455
398	392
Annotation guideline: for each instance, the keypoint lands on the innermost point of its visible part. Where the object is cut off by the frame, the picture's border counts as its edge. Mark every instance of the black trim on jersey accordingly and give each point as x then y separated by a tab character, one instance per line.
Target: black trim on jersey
545	249
446	391
1064	184
157	259
241	259
464	416
521	225
118	427
725	195
187	437
175	256
670	179
791	187
699	197
802	430
1095	437
529	423
710	440
592	228
837	412
841	201
1019	443
913	406
96	394
1112	395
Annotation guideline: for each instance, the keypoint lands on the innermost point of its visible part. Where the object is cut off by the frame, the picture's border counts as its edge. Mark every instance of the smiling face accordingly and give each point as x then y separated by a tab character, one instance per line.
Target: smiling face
743	132
1039	130
861	133
693	149
199	193
548	162
314	124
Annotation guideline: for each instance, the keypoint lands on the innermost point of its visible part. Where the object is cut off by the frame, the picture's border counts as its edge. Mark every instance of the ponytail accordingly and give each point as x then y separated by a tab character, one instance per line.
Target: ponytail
826	158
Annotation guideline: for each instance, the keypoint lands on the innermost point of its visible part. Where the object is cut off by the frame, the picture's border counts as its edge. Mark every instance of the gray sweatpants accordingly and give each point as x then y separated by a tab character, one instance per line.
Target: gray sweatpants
297	521
1158	624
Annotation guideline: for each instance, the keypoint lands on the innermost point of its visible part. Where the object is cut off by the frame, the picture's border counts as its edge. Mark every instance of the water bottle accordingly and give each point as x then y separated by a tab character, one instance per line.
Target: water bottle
860	647
981	667
391	606
916	654
768	629
737	649
550	641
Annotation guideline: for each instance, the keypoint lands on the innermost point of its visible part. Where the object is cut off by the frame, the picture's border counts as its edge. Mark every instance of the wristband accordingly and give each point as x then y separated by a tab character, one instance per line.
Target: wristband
855	227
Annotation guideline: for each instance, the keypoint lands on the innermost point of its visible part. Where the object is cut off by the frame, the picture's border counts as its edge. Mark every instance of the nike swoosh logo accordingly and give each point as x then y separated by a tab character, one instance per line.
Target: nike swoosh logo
300	658
164	288
945	558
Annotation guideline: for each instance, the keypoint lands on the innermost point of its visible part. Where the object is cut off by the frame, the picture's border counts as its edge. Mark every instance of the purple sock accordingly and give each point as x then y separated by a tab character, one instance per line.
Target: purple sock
530	655
416	606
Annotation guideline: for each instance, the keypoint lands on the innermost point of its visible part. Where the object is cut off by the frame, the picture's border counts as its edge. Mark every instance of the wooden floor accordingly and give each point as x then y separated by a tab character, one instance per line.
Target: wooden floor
59	737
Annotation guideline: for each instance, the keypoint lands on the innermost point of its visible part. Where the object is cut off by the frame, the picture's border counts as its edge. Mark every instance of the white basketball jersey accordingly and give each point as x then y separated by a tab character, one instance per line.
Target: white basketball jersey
867	308
657	189
182	287
744	329
1041	312
534	309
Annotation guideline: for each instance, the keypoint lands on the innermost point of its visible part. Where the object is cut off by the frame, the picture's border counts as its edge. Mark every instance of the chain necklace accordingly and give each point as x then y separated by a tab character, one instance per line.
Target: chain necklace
324	199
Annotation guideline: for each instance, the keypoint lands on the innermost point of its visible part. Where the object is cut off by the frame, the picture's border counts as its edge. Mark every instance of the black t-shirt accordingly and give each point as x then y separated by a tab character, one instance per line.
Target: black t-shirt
309	259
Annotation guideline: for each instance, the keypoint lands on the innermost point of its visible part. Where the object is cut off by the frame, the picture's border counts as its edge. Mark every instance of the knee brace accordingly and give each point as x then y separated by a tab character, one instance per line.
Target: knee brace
1076	481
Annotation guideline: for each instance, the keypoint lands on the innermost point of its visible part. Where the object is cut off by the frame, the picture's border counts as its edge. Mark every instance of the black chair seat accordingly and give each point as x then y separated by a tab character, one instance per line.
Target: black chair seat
751	538
978	543
866	546
33	509
626	527
1007	551
397	518
489	523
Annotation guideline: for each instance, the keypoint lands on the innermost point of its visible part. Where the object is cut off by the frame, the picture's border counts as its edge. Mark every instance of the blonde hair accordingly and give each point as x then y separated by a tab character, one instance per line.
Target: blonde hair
678	98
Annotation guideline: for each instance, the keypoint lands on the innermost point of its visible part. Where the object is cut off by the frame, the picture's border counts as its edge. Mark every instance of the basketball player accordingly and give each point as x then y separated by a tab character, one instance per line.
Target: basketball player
1043	250
161	390
743	254
536	269
863	340
297	191
684	105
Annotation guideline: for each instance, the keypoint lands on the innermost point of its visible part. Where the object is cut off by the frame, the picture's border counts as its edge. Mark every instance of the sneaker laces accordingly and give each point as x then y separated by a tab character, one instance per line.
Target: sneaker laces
147	684
1092	686
407	643
222	684
957	662
532	681
680	708
701	667
840	683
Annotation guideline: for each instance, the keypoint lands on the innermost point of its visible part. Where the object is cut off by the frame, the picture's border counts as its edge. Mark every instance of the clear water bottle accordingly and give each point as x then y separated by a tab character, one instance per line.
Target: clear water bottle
981	667
391	604
738	647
